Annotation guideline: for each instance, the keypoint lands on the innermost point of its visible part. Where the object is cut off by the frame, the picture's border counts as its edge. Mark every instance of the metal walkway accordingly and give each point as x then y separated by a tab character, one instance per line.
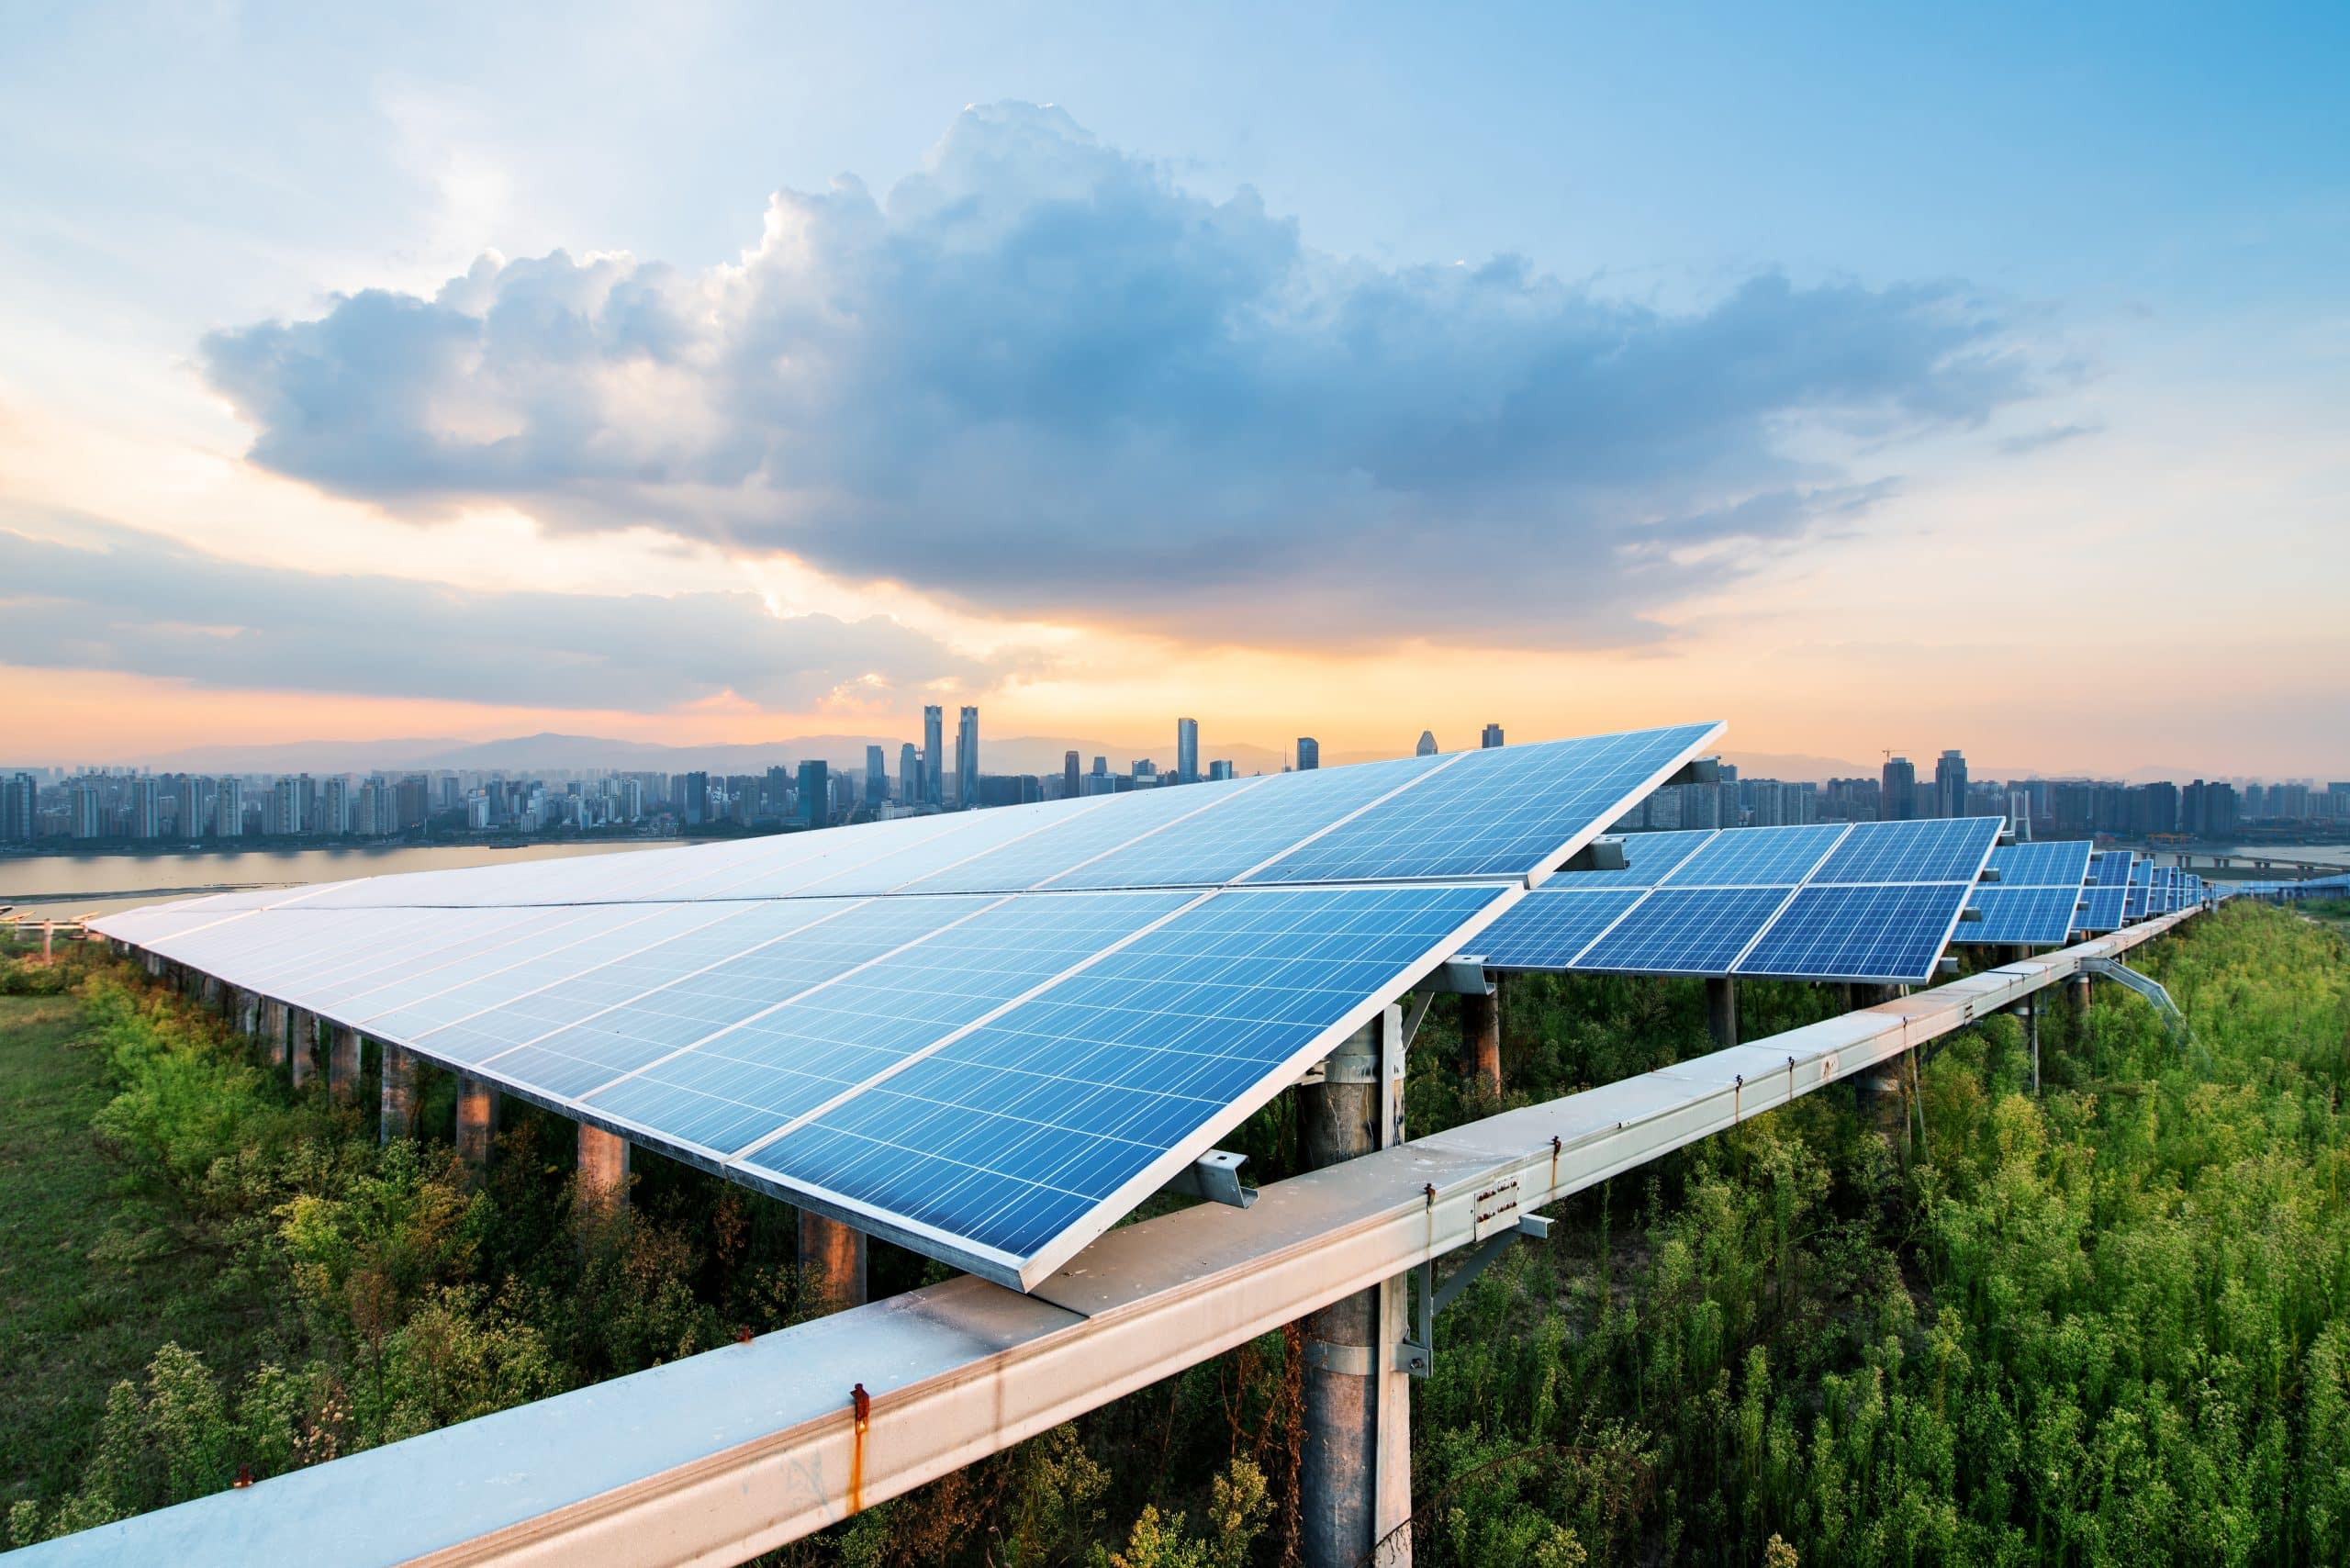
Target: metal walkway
717	1458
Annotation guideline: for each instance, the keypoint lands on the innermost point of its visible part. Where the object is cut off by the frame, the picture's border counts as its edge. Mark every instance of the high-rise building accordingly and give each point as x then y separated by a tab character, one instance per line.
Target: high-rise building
1897	793
1309	754
695	805
1492	737
1068	776
285	806
816	793
334	806
199	804
1187	751
87	822
876	777
16	798
966	759
1950	784
909	775
933	754
1220	769
1427	743
145	808
229	809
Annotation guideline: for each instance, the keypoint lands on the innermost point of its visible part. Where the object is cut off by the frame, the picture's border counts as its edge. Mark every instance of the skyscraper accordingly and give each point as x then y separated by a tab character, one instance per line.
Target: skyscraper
966	759
1898	795
1309	754
909	775
1220	770
16	810
1491	738
145	808
933	752
1427	743
231	808
87	823
696	801
815	794
1068	776
1950	784
876	777
1187	751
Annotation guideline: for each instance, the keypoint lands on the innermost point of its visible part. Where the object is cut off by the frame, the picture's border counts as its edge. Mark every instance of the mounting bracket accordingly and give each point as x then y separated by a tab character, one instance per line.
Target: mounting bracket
1215	1176
1417	1354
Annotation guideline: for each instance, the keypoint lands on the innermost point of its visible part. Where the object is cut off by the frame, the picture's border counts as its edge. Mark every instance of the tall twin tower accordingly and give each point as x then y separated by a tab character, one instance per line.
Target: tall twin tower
967	757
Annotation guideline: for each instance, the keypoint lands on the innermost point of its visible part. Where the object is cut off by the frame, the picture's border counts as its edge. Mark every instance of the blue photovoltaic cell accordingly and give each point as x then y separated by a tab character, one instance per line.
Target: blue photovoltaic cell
1547	929
2105	910
2055	863
1948	849
2135	909
2039	917
1013	1134
1756	858
743	969
1508	811
745	1082
1065	845
1893	933
2110	868
1647	857
1249	826
619	933
1685	931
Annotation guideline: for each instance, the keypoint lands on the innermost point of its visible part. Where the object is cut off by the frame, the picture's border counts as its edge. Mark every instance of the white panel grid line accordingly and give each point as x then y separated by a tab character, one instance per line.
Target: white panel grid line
943	1041
805	992
847	905
1331	827
1813	871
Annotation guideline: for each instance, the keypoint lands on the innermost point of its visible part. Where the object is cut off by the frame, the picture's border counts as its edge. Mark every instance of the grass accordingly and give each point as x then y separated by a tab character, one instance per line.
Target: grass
95	1270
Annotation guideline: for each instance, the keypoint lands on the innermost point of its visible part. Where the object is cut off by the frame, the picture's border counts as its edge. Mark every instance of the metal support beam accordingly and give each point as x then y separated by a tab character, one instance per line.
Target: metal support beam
603	1168
2031	1032
1721	1011
832	1256
2152	989
1215	1176
398	1116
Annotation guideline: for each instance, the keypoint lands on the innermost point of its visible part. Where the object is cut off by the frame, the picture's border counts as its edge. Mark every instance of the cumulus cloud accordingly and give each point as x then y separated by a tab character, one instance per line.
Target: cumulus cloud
1041	378
82	594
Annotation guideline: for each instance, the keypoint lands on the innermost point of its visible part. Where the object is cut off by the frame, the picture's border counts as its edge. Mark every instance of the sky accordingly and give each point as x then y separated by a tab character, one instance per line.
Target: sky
1870	377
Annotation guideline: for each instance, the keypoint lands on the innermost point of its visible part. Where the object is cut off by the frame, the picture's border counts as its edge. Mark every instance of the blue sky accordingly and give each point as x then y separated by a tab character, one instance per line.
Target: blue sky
2064	286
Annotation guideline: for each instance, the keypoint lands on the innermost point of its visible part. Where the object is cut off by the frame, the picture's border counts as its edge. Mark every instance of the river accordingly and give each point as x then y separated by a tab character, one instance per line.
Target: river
98	884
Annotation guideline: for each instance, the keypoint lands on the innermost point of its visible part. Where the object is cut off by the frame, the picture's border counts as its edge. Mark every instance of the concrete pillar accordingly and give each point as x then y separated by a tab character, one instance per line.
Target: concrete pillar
1354	1485
48	940
2031	1032
603	1168
832	1255
1481	1038
1721	1011
397	1117
476	1123
304	1045
342	1064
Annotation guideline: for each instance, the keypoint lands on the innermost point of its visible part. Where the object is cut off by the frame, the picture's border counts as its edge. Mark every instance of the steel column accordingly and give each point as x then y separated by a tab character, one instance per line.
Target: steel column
304	1030
342	1064
476	1124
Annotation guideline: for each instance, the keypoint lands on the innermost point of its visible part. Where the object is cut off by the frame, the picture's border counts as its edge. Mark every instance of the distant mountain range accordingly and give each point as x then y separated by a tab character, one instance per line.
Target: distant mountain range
551	752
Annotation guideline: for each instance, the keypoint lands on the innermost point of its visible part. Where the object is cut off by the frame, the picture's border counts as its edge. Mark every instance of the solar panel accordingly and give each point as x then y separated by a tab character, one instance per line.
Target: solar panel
1887	932
942	1028
1094	1092
2036	902
2104	908
1647	857
1739	902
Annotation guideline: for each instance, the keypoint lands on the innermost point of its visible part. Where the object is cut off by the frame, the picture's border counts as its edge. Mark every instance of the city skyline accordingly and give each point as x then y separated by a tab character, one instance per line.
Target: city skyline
1848	448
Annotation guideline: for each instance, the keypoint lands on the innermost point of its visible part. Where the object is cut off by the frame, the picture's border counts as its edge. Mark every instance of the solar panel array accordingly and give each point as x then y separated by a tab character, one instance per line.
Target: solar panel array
2036	900
2104	903
986	1034
1862	901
